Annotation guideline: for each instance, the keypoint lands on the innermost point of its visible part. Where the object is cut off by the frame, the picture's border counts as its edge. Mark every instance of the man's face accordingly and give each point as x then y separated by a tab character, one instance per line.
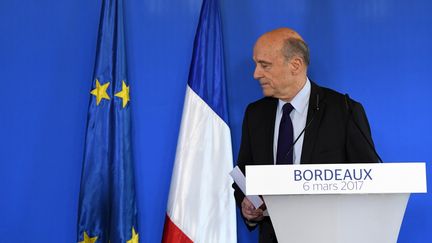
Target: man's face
272	70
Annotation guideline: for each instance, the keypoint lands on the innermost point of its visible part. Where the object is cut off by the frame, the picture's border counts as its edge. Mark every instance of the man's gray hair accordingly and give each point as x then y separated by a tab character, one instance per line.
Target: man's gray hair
296	47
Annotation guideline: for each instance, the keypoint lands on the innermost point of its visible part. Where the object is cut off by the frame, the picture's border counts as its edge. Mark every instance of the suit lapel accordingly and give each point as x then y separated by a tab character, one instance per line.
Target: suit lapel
316	99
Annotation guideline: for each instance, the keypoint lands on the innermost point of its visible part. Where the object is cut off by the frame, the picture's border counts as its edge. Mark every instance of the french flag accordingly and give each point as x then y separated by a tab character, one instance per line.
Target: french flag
201	206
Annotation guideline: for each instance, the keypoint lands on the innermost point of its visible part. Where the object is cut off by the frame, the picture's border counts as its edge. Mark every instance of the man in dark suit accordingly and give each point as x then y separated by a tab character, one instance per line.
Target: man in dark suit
335	127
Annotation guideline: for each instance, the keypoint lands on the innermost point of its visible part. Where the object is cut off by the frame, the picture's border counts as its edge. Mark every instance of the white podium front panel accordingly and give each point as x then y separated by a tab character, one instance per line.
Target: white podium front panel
351	218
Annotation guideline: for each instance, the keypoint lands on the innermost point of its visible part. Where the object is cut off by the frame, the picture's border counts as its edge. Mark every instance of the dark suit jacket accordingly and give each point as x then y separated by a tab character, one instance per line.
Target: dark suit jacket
332	136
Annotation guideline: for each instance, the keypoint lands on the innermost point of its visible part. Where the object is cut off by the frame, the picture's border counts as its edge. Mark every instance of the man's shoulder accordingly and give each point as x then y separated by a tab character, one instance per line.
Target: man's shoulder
336	102
332	96
264	103
330	93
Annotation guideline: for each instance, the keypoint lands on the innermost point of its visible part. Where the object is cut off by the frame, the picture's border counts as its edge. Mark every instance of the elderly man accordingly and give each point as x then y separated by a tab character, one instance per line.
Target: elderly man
297	122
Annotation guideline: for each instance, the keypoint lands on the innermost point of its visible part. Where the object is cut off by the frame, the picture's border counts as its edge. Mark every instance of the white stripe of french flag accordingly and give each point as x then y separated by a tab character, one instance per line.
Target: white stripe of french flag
201	205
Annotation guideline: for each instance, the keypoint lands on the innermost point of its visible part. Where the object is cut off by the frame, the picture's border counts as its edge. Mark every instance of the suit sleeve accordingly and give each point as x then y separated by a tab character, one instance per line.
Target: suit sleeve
244	156
360	147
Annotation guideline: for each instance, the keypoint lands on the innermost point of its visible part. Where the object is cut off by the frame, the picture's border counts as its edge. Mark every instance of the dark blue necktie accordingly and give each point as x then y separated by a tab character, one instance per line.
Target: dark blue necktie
286	137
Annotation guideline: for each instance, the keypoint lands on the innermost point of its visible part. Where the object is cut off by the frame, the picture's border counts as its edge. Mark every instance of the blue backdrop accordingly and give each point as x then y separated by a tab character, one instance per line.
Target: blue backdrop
376	50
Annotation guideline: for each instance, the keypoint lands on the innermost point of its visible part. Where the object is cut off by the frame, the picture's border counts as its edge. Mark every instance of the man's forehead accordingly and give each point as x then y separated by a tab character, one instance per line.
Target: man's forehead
268	41
265	47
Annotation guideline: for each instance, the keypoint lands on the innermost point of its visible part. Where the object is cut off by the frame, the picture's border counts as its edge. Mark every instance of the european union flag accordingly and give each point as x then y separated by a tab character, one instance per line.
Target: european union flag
107	209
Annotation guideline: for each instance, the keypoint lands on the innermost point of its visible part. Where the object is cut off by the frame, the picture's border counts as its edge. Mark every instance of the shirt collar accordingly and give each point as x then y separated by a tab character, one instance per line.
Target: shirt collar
300	101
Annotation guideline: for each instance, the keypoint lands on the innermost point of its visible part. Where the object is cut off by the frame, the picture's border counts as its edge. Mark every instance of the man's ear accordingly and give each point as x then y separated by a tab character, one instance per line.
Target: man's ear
296	65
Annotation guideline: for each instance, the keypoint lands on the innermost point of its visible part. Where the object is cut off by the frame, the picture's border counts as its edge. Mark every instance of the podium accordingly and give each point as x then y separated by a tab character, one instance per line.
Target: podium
336	203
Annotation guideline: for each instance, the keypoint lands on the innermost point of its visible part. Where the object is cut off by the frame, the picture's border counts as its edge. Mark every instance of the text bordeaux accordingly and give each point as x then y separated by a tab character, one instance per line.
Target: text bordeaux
335	174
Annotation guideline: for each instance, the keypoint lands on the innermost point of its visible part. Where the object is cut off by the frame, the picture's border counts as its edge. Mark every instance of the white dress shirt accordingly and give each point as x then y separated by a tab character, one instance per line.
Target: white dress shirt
298	117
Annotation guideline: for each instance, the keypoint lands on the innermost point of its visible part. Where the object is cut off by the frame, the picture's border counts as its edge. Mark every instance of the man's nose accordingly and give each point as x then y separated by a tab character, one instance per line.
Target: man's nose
257	73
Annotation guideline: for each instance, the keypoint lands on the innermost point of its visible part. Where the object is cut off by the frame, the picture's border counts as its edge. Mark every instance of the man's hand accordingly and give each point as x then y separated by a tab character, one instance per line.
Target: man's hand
249	211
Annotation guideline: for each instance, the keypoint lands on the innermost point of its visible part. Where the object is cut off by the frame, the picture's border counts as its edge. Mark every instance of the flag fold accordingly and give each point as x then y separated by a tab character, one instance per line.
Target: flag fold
107	210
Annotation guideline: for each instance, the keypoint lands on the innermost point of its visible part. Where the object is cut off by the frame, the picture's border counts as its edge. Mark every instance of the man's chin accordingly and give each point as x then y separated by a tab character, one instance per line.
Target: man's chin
267	93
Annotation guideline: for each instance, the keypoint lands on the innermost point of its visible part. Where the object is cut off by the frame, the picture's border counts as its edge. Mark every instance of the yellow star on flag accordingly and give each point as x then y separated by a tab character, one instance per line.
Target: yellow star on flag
134	238
124	94
87	239
100	92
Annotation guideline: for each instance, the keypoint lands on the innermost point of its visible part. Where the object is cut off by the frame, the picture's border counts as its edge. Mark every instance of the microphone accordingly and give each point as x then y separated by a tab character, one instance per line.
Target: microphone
307	125
350	110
